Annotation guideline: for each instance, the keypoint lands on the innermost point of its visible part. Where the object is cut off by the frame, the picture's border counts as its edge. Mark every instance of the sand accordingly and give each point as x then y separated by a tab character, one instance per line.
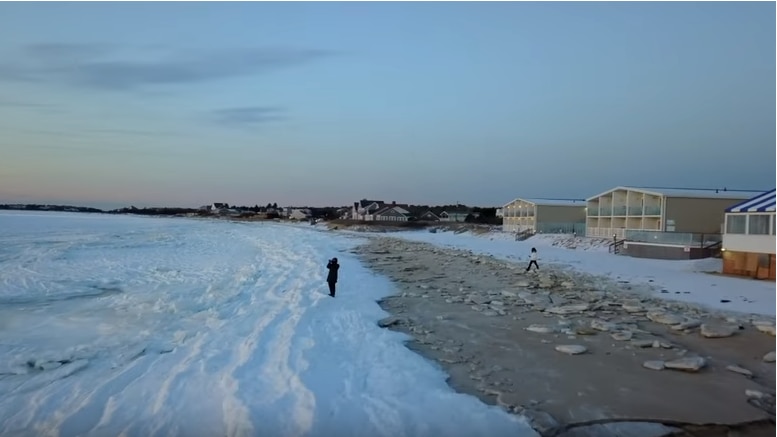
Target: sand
470	314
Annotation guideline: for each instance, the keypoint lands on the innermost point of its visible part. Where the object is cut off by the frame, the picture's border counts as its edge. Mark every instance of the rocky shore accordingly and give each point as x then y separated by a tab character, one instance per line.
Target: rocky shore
577	354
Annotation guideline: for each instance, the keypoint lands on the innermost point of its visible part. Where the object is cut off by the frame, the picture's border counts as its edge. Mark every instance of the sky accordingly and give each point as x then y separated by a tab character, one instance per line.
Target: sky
186	104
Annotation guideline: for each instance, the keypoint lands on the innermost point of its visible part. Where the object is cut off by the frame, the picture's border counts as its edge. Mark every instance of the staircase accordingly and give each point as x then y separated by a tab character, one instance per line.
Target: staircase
616	246
524	235
713	250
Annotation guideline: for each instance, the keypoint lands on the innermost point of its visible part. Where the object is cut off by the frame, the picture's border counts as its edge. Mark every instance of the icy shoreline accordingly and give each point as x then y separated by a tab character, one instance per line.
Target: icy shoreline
237	311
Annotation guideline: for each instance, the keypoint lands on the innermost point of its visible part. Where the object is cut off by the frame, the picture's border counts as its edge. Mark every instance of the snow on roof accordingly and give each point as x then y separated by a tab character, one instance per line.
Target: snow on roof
551	202
761	203
557	202
694	193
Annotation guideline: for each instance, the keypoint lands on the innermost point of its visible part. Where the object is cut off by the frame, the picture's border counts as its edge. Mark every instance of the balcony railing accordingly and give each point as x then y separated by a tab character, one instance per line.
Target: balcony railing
593	212
619	210
673	238
635	210
609	233
605	210
652	210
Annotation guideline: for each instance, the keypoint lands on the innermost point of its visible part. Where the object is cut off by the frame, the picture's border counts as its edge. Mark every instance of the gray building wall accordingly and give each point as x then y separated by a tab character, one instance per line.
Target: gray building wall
561	214
557	218
697	215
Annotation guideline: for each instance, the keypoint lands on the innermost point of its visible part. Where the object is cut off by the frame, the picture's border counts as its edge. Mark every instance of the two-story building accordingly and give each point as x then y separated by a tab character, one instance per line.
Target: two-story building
544	215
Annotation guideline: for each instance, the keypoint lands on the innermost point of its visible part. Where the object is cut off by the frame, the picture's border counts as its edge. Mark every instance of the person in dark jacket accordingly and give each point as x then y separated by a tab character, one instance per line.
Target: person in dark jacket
331	278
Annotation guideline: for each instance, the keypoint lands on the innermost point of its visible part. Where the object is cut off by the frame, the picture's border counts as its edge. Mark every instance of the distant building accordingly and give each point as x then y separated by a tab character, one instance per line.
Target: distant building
219	207
391	213
364	207
429	216
662	223
300	214
749	238
544	215
454	215
621	209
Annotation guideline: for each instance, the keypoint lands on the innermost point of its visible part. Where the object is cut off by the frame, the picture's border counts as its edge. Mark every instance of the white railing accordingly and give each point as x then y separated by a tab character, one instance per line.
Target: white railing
619	233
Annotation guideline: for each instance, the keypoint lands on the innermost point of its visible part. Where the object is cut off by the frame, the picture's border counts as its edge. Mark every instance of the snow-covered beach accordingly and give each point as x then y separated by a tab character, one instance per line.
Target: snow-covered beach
694	281
125	325
121	325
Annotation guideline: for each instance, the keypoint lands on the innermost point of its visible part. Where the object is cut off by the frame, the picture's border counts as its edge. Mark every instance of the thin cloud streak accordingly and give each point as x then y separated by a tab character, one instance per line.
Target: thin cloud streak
102	66
248	116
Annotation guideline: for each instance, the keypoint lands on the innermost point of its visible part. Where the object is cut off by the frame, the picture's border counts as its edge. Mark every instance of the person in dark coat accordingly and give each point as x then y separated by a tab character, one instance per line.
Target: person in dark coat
331	278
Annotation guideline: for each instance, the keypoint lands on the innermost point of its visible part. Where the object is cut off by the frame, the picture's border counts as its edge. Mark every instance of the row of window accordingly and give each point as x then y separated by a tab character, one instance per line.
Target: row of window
751	224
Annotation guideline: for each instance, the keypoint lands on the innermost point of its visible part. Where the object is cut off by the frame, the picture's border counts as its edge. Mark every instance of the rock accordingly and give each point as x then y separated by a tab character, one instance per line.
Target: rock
546	284
653	365
497	303
688	324
490	313
541	329
759	399
688	364
389	321
642	343
522	283
622	335
755	394
568	284
568	309
534	299
571	349
741	370
601	325
765	326
479	299
632	306
665	318
769	358
506	293
584	330
710	330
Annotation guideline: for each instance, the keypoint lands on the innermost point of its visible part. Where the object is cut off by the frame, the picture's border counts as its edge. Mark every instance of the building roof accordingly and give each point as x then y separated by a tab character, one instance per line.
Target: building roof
551	202
694	193
761	203
365	202
388	208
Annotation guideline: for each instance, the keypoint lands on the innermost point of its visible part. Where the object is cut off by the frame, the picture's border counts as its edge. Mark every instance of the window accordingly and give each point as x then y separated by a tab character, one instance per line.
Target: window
773	224
735	224
759	224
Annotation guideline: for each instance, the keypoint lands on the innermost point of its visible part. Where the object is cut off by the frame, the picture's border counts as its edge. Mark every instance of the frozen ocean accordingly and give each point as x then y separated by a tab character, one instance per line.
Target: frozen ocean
136	326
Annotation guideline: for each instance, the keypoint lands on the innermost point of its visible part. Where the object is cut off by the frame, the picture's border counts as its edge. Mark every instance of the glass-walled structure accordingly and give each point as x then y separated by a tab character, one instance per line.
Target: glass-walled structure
749	238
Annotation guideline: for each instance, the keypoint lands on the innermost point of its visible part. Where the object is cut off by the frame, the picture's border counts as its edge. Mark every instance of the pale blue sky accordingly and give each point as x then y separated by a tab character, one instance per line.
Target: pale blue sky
326	103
